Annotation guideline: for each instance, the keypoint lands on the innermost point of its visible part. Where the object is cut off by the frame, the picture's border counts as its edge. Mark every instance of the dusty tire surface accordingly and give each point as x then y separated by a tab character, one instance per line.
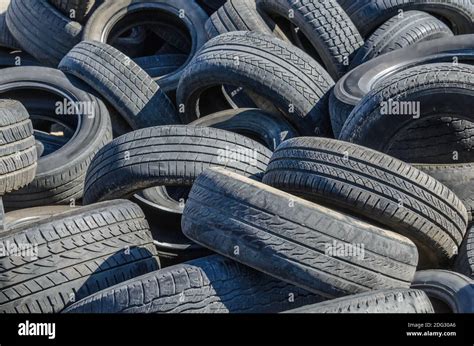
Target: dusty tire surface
291	239
465	260
211	284
399	301
374	186
78	253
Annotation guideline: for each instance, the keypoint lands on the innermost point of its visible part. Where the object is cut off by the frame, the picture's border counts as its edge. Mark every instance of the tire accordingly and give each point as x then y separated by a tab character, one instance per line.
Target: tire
368	15
399	301
121	82
376	187
23	217
57	181
325	25
161	66
9	58
212	4
421	83
78	253
112	15
357	83
459	178
18	157
75	9
465	260
263	127
49	143
265	229
212	284
448	291
174	37
397	33
42	31
171	156
263	62
131	43
6	38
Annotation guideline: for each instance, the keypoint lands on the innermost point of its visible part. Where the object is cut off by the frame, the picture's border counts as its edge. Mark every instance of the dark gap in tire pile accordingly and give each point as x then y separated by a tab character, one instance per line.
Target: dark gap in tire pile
239	156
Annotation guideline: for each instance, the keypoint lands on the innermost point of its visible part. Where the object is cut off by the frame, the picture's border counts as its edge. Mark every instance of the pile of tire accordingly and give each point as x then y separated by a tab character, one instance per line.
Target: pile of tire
236	156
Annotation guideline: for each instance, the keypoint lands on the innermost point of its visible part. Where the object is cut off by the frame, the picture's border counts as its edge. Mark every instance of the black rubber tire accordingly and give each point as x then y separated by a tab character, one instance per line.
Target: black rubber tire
6	38
376	187
166	156
325	25
465	261
128	88
400	32
161	66
22	217
368	15
287	237
49	143
267	66
131	43
212	4
42	31
212	284
174	37
78	253
77	10
367	125
164	12
459	178
59	176
398	301
18	156
356	84
454	291
263	127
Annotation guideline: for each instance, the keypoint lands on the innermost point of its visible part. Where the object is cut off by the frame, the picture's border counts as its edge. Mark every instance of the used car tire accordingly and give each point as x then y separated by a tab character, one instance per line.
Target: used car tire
132	42
79	252
368	15
256	124
41	30
167	156
399	32
376	187
75	9
212	284
18	157
267	66
113	13
465	261
357	83
398	301
9	58
291	239
160	66
123	83
370	126
59	176
448	291
6	38
21	217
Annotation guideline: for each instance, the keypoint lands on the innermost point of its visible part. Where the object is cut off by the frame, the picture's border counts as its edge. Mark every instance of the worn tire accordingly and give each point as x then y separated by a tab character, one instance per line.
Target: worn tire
399	301
81	8
376	187
59	176
448	291
397	33
212	284
289	238
159	67
6	38
465	260
78	253
9	58
269	67
18	156
331	33
131	43
368	15
166	156
357	83
42	31
425	84
256	124
111	15
123	83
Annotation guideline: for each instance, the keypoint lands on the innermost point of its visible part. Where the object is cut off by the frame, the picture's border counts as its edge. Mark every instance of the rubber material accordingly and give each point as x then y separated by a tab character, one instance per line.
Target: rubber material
465	260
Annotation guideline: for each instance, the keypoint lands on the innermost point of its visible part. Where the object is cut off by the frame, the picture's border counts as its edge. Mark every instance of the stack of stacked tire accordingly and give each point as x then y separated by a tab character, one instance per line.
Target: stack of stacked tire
237	156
